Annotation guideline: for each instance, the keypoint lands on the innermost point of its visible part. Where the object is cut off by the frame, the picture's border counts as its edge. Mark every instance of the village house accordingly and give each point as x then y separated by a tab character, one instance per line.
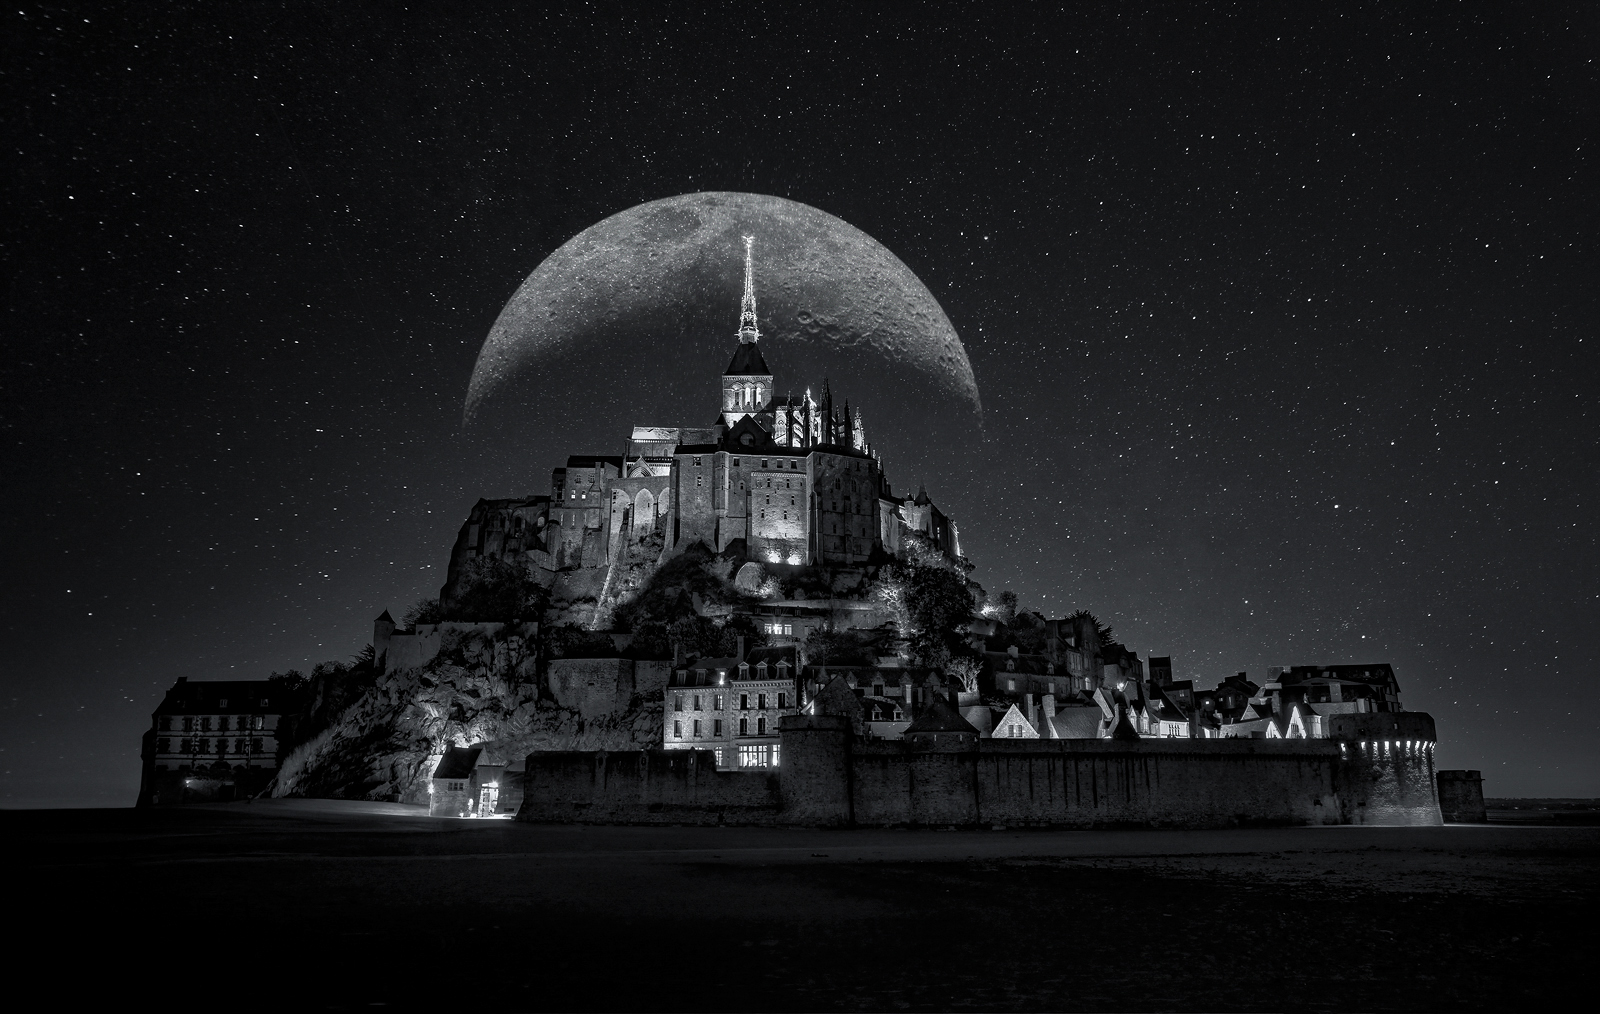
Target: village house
732	706
211	740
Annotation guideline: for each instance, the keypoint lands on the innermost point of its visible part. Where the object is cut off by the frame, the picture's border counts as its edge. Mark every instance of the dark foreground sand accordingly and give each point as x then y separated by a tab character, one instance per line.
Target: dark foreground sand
308	904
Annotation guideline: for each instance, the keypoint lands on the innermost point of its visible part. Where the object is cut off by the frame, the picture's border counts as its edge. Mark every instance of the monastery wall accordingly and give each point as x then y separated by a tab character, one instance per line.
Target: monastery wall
830	778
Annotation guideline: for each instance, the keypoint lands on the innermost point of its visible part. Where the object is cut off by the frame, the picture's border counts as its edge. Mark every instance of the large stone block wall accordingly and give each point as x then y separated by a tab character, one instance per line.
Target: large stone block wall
829	777
644	787
1461	797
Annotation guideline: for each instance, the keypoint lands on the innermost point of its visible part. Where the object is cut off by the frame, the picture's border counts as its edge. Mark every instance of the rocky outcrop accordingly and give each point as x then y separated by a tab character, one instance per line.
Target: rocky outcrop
480	688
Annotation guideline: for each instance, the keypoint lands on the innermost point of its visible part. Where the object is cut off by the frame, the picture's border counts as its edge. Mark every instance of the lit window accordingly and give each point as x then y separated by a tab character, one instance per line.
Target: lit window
677	730
697	728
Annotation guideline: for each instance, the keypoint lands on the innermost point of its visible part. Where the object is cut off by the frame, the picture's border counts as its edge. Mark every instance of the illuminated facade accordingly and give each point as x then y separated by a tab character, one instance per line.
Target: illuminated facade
732	706
789	478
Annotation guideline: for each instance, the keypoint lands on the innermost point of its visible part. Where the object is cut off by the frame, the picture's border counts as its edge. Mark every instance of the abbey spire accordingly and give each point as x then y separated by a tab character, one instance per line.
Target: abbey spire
747	308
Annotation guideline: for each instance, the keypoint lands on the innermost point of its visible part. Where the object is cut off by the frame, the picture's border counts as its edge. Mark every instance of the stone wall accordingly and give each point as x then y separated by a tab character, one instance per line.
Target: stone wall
416	648
592	686
829	777
644	787
1461	797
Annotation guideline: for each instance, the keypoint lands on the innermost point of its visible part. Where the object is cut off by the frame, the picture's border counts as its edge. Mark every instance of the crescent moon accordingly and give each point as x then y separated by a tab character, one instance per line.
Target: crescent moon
661	266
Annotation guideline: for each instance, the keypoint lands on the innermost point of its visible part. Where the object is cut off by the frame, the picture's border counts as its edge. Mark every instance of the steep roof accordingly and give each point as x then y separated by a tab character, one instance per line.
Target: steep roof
747	362
240	695
1077	722
937	715
457	762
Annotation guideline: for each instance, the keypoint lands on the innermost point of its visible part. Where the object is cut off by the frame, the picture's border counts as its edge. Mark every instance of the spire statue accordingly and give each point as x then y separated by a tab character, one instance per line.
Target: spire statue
747	308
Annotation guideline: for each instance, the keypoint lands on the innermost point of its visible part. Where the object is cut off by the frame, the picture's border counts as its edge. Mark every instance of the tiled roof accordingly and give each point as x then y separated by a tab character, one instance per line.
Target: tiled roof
457	762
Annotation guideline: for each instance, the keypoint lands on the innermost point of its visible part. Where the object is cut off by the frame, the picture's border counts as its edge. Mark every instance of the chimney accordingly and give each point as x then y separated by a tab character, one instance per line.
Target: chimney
1049	706
677	654
1012	651
741	649
1027	704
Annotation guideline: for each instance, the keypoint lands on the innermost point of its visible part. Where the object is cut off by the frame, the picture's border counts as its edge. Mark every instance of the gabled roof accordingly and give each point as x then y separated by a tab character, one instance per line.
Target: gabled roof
772	655
385	618
242	695
747	362
1077	722
937	715
457	762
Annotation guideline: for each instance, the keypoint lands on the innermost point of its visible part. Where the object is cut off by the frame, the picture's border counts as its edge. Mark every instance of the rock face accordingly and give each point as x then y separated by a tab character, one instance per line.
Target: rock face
481	688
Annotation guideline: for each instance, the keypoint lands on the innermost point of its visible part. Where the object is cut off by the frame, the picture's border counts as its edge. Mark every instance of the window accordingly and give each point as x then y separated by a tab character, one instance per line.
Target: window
761	726
239	746
164	723
716	728
782	698
735	462
1011	684
761	702
264	703
697	728
222	702
677	702
188	723
744	702
744	726
697	462
186	746
764	465
697	480
697	702
255	746
716	702
260	722
222	724
163	746
677	730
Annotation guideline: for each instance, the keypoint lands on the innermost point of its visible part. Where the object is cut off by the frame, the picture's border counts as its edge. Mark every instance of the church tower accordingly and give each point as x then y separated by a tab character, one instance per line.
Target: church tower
747	382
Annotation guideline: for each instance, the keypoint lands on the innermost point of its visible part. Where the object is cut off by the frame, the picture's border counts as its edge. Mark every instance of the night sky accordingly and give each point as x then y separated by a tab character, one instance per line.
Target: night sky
1284	324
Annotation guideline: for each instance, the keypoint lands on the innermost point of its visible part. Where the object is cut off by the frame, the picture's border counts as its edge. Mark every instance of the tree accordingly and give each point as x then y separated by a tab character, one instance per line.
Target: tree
964	669
938	606
827	647
1005	606
496	590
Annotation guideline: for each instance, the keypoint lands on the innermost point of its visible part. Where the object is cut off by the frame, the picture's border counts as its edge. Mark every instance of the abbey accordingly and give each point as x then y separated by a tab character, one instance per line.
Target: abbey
789	479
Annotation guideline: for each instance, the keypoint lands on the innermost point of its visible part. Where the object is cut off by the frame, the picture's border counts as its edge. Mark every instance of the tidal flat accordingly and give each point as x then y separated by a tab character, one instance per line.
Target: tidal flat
313	904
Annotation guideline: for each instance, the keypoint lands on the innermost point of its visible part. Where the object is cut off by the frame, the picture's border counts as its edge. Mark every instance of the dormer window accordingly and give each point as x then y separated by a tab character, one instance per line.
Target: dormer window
1011	665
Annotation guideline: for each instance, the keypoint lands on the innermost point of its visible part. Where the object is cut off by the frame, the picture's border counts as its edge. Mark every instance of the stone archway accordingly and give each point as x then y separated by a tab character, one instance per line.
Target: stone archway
644	513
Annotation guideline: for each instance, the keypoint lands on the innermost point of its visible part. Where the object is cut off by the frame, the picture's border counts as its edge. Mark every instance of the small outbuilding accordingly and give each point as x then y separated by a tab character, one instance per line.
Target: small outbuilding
454	790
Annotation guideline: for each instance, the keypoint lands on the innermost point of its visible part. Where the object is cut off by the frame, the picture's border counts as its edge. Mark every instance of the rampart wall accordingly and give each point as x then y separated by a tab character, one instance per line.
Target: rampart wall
1380	772
644	787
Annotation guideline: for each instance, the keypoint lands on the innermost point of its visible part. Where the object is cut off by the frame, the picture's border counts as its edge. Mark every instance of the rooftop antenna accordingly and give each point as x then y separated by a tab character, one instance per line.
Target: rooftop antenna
748	334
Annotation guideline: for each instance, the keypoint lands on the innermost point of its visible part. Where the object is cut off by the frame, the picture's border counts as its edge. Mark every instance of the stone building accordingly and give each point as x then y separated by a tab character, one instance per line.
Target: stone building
789	479
732	706
212	740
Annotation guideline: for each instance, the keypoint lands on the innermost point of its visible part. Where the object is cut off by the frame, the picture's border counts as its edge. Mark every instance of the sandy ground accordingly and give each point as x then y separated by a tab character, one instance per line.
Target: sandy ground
326	904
